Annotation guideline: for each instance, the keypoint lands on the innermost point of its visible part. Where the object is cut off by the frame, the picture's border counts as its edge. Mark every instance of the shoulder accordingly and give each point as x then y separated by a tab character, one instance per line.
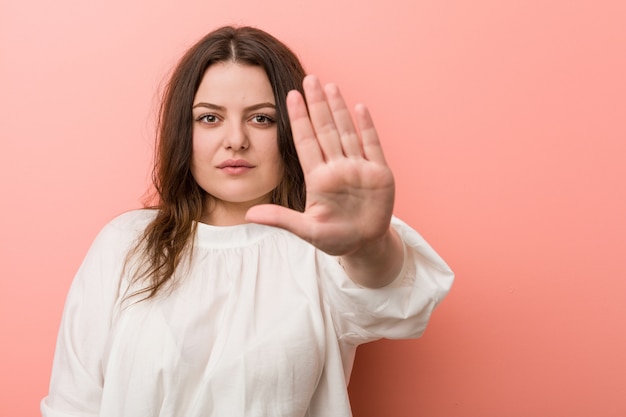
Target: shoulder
133	220
126	227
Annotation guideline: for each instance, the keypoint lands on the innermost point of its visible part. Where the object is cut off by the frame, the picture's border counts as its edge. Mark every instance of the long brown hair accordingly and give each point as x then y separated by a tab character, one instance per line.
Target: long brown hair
180	200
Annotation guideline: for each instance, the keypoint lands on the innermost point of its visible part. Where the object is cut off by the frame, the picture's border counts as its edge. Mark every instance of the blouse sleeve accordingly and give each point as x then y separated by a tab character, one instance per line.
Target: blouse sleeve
77	372
399	310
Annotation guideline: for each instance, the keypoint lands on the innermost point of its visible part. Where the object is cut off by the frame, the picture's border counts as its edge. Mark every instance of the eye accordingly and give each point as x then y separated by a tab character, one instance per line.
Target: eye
262	119
208	118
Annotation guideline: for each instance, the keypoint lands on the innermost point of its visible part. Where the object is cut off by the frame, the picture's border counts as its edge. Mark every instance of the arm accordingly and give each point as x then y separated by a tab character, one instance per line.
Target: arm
398	310
77	374
377	263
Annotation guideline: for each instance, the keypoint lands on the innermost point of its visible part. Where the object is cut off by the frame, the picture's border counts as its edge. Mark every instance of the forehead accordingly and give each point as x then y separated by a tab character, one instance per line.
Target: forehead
227	83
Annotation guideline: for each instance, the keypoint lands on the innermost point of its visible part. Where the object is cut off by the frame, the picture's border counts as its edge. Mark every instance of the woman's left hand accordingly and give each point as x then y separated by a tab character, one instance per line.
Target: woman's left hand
349	187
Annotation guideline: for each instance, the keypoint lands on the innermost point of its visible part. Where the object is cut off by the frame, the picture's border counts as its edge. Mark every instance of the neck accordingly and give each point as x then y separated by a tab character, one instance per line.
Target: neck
225	213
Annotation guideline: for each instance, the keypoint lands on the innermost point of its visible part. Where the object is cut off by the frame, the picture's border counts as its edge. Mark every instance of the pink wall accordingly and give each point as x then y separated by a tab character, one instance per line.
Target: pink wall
504	121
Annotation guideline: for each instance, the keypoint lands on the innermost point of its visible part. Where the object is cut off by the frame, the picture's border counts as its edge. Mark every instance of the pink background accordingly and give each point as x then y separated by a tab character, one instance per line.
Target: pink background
504	122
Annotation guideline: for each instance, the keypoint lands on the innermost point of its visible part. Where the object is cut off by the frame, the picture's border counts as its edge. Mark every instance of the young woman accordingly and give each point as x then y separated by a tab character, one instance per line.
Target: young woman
272	253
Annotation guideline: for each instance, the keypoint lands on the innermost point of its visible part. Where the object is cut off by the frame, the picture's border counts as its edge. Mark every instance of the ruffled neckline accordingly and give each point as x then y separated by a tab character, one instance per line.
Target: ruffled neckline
209	236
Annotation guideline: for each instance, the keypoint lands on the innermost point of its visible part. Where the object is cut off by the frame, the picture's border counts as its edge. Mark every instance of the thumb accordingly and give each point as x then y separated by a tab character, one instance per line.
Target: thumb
278	216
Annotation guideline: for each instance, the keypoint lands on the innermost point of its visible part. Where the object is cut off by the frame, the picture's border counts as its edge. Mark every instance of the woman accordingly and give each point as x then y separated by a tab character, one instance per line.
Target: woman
245	292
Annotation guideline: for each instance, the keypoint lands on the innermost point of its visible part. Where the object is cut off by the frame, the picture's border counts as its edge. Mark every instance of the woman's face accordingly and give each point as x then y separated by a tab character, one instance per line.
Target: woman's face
235	155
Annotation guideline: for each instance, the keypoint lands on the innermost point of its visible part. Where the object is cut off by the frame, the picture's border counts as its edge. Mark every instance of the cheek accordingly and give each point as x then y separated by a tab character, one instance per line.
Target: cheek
201	157
203	147
277	161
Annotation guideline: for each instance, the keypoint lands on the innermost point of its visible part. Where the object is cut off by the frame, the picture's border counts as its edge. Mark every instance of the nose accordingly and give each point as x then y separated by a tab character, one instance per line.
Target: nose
236	137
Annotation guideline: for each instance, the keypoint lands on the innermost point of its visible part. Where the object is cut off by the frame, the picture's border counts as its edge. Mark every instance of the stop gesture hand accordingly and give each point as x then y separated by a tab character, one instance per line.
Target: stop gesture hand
349	187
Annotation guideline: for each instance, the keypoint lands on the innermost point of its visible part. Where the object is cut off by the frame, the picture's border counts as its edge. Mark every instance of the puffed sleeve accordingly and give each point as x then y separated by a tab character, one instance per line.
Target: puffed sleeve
399	310
77	372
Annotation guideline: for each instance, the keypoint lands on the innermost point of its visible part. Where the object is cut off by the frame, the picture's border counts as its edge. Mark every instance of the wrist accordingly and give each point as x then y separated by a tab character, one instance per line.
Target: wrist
376	263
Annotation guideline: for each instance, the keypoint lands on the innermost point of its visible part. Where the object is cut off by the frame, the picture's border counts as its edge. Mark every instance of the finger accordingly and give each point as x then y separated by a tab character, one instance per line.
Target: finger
372	149
322	118
307	146
349	137
279	216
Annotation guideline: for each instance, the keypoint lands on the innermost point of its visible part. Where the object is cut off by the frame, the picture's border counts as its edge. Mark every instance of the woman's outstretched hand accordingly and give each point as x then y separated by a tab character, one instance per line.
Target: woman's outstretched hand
349	187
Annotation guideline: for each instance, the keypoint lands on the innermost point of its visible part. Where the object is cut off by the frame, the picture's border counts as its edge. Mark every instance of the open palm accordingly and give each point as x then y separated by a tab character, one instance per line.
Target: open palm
350	188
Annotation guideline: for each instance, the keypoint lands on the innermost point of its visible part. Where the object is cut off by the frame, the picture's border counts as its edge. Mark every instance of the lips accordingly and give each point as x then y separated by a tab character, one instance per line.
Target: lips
235	166
235	163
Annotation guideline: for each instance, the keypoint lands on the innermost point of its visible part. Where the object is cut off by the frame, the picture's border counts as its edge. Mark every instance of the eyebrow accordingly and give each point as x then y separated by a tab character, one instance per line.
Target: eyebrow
222	108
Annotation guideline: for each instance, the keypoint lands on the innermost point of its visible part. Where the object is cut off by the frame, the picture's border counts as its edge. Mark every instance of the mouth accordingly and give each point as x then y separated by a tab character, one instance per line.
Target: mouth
239	163
235	167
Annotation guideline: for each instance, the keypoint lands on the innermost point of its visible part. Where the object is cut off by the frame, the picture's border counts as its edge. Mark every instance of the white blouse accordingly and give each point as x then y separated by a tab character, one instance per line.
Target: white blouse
262	324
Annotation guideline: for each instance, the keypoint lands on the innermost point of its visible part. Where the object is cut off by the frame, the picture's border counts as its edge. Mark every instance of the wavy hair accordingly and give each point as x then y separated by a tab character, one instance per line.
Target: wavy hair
179	199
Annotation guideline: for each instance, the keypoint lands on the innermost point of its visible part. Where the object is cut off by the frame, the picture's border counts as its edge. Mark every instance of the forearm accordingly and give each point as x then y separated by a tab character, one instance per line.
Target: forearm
376	263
